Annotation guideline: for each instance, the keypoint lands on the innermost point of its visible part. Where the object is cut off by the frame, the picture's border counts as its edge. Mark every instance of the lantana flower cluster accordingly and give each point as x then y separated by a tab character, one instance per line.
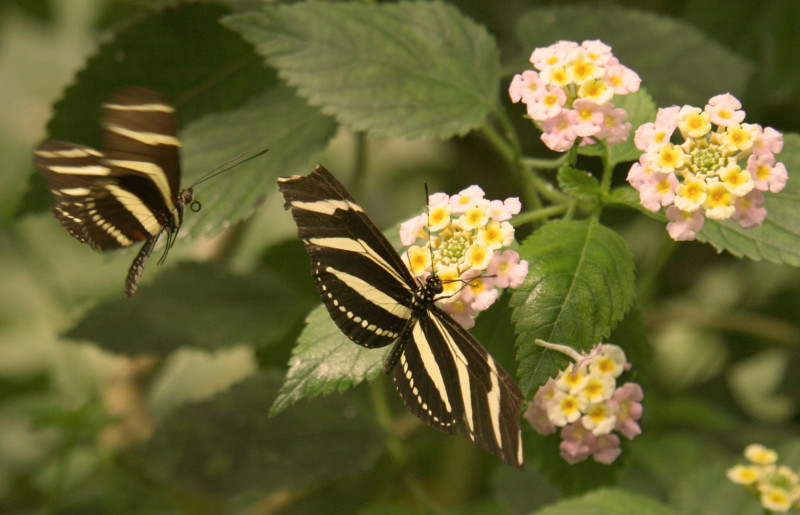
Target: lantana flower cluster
569	94
719	170
776	486
465	238
586	403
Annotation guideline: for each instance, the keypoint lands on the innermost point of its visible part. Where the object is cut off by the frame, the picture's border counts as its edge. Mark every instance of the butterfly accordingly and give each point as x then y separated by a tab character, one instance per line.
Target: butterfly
128	193
443	375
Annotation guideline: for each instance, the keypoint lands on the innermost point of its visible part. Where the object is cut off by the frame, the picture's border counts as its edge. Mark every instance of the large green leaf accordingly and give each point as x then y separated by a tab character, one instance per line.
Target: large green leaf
230	445
196	305
778	238
678	63
181	52
294	132
579	286
612	500
325	361
411	69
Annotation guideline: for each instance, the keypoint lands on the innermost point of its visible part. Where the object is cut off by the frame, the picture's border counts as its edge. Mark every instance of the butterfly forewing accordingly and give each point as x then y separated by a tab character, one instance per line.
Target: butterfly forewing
140	141
129	192
358	274
442	373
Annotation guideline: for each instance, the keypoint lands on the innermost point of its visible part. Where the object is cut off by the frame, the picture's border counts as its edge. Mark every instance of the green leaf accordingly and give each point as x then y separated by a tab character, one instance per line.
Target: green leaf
326	361
197	305
609	500
210	70
579	286
707	489
667	458
230	445
671	66
778	239
294	132
410	70
578	184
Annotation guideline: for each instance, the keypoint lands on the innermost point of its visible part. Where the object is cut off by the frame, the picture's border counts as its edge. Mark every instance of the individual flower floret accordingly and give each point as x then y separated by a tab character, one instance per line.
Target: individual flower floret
760	455
627	405
507	269
569	94
744	474
776	486
718	171
464	239
586	402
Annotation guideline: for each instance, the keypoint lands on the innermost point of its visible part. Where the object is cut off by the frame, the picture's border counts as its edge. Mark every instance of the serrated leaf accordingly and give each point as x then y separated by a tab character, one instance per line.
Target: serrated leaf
578	184
579	286
610	500
776	240
196	305
294	132
229	445
410	70
326	361
669	64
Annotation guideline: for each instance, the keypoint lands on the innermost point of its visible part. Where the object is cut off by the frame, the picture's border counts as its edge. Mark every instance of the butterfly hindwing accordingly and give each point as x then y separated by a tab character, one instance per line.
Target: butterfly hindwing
450	381
444	376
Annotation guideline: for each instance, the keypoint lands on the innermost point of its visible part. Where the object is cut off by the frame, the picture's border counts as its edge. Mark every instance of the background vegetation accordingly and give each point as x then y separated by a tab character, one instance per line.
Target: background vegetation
162	402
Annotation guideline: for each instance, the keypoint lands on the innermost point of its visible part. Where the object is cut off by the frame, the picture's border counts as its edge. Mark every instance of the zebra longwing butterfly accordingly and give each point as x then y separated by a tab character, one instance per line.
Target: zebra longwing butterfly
128	193
444	376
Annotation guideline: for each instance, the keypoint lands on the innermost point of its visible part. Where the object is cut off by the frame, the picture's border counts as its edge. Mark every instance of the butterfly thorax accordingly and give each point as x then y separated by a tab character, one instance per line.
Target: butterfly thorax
426	294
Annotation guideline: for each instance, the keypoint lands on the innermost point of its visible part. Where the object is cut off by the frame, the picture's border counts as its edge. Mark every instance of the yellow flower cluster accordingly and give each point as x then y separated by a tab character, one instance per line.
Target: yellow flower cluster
464	236
777	486
719	171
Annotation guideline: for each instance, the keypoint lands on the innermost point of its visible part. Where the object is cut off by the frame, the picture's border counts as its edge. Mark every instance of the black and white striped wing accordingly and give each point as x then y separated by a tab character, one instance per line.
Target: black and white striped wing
442	373
447	379
129	192
359	276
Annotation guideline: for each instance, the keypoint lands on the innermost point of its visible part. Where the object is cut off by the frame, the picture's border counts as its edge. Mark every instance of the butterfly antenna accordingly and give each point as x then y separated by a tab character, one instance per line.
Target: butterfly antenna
430	243
227	166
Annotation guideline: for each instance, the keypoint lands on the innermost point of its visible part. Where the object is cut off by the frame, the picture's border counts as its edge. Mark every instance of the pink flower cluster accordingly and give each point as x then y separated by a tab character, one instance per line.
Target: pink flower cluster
585	402
569	95
719	170
464	240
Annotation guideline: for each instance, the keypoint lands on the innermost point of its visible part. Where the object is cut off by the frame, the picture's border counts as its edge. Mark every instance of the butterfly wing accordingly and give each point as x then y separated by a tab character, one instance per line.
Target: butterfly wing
447	379
359	276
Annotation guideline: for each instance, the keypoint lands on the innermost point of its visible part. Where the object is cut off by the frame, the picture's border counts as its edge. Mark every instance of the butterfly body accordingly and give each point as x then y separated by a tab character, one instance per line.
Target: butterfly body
443	375
127	193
